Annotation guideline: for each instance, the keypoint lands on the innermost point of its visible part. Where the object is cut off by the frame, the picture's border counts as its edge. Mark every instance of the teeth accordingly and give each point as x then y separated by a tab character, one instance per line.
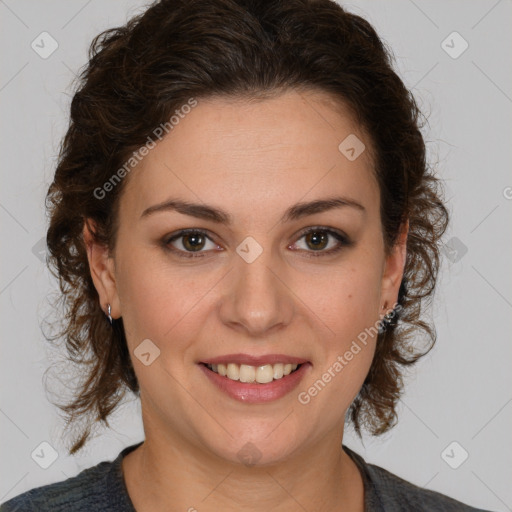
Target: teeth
246	373
278	370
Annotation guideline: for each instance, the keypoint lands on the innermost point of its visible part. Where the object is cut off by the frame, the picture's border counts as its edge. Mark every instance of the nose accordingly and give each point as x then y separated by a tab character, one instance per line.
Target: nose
258	300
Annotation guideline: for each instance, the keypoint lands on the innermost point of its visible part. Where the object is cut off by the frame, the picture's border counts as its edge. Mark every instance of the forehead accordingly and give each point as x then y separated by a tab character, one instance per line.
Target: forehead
256	155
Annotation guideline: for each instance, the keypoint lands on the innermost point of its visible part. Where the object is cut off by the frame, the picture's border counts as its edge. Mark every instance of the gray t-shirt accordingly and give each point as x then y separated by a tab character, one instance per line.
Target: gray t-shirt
102	488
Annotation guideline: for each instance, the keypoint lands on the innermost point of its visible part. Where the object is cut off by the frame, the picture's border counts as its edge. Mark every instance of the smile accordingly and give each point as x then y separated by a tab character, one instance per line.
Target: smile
255	384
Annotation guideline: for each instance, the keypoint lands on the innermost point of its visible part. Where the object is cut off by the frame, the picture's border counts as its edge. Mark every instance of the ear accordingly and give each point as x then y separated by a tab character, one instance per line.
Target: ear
101	266
394	269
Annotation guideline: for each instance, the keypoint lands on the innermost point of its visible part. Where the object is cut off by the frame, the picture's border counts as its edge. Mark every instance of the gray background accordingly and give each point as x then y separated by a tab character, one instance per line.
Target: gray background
460	392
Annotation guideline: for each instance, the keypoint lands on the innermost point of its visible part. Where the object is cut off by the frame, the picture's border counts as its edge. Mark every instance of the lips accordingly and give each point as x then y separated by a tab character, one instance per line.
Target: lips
256	392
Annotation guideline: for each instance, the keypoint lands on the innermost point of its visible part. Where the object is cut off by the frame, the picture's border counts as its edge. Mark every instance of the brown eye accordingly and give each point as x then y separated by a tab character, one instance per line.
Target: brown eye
193	242
317	239
187	242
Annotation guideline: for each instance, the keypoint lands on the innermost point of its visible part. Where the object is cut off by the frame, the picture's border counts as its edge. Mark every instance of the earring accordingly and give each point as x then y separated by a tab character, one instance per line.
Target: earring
109	309
386	320
389	316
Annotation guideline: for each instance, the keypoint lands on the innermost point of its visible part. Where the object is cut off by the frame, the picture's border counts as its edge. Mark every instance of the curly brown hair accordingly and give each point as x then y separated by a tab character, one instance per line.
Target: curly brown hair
140	73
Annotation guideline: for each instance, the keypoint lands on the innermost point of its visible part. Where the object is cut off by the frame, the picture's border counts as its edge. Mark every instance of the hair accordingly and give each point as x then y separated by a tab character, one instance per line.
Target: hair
140	73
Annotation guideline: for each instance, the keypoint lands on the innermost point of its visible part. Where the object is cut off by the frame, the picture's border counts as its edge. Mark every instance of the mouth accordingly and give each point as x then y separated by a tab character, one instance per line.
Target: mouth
253	374
255	384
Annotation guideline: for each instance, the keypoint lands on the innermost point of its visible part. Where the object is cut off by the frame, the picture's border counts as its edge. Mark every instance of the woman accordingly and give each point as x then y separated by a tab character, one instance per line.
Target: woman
244	227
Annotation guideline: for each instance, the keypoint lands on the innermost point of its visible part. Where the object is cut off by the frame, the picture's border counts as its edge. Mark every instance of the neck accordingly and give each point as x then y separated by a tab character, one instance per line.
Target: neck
173	474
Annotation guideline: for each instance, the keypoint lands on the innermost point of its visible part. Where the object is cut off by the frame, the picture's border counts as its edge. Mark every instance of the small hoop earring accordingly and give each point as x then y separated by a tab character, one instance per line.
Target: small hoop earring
109	309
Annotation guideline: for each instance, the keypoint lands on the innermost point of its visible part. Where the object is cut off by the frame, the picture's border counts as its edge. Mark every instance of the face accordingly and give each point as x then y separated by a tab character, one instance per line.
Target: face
252	279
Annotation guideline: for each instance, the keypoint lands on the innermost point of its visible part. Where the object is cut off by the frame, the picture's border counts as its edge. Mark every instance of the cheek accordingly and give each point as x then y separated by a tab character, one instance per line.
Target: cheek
346	301
349	306
158	300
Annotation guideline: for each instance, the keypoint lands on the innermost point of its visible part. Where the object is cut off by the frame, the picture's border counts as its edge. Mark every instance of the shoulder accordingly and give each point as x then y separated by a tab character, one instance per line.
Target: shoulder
398	494
77	493
385	491
100	487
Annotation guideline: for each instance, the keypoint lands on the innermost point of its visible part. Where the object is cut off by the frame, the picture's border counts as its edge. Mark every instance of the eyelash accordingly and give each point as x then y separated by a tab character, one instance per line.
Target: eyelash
343	240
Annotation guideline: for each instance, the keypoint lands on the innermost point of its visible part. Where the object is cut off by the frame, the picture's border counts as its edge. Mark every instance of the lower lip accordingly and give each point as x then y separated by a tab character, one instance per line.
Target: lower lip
254	393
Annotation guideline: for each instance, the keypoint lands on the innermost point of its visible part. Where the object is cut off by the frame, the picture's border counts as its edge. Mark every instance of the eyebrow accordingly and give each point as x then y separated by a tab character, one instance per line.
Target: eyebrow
295	212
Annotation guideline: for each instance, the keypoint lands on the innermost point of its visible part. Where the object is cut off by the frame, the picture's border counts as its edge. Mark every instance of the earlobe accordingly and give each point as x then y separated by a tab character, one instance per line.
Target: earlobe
101	266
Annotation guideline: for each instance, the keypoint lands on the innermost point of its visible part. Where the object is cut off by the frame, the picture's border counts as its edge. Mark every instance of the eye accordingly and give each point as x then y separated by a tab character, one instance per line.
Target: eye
318	238
190	243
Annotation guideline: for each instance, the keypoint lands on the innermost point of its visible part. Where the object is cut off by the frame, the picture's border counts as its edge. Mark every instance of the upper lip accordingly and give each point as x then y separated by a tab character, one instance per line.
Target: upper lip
255	360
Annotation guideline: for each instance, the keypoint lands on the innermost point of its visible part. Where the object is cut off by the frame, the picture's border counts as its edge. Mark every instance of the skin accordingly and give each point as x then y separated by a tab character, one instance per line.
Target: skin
253	160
